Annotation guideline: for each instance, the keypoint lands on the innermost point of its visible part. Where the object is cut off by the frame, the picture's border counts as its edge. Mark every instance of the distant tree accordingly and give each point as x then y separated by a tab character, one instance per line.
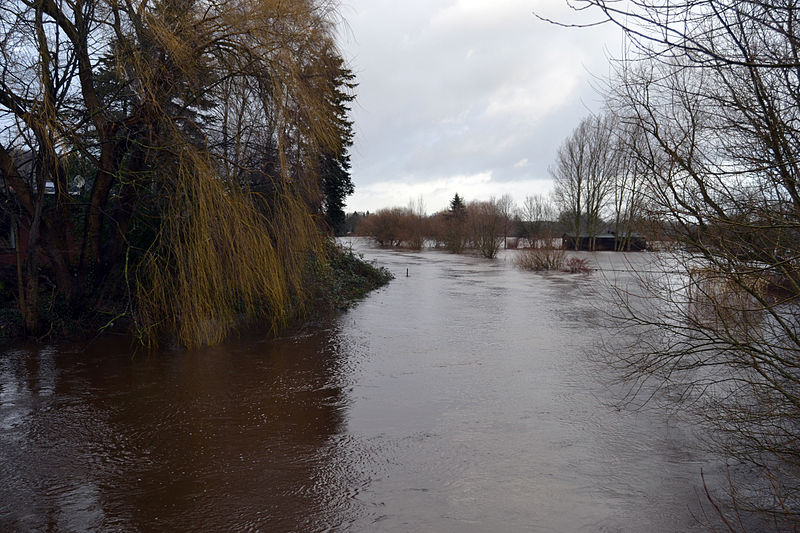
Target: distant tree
455	230
352	220
457	205
485	223
631	177
395	227
583	174
505	204
603	167
383	226
537	214
416	223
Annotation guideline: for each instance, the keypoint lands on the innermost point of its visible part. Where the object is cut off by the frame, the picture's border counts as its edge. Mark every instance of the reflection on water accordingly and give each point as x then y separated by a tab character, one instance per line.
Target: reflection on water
458	398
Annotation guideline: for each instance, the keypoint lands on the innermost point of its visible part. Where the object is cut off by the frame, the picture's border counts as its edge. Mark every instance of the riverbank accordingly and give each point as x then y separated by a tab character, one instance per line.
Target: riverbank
337	282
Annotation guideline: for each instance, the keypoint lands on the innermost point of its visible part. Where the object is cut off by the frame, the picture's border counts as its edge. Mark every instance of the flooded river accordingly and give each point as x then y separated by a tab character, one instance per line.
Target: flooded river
460	398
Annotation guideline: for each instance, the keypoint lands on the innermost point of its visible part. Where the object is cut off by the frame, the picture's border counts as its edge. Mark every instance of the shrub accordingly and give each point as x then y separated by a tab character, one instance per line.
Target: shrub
540	259
576	265
485	222
395	227
345	277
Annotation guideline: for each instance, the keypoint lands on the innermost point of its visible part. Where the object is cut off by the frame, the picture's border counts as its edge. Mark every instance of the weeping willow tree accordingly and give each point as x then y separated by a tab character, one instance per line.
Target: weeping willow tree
217	258
202	123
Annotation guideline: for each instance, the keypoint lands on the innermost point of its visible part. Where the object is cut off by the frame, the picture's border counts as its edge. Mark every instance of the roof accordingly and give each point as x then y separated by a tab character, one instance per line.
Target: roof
606	235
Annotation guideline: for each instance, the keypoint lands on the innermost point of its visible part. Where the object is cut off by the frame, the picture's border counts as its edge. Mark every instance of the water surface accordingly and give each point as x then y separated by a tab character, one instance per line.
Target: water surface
462	397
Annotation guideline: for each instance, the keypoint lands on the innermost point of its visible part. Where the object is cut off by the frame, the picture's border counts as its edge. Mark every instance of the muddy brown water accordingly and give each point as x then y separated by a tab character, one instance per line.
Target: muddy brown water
459	398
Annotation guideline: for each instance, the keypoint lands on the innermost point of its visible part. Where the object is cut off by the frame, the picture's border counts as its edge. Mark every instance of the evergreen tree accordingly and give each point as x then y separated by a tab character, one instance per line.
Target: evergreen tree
457	206
335	164
455	232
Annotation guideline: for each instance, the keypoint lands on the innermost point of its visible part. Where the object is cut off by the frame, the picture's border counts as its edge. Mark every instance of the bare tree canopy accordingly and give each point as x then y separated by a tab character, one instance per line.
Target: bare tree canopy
710	93
584	174
536	214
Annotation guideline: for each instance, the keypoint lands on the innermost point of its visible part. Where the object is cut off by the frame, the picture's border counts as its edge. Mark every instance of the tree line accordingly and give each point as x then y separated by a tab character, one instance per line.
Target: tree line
173	162
490	225
486	226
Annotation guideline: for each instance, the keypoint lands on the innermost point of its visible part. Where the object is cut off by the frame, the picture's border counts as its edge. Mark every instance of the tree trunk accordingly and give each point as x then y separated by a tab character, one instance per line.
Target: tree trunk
109	164
29	303
29	300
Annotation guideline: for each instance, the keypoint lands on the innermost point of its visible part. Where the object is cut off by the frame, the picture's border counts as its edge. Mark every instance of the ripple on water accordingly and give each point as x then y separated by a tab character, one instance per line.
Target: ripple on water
457	399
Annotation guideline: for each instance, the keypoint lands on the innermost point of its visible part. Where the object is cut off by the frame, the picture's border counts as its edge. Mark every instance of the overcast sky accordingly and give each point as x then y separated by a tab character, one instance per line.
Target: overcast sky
467	96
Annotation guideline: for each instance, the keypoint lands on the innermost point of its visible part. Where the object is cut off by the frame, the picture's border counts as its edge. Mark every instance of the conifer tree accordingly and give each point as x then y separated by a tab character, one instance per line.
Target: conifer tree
335	176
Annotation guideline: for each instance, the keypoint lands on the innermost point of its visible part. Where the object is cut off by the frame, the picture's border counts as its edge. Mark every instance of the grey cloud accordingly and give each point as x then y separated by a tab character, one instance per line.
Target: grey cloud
452	88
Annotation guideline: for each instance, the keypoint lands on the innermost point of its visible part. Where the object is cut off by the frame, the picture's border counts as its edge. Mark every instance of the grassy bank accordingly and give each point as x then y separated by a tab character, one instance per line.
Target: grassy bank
347	278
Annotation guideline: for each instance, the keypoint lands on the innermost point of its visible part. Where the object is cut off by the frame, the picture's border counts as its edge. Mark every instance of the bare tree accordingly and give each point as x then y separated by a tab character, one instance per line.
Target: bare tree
714	89
417	223
630	178
538	213
584	174
570	174
505	204
602	173
485	222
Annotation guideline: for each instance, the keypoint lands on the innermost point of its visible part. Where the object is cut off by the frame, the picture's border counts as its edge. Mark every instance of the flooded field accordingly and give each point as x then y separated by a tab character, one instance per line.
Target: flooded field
459	398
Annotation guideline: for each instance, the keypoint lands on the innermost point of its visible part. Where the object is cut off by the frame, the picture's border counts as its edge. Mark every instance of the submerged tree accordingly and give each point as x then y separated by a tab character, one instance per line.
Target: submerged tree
537	214
505	204
202	125
485	225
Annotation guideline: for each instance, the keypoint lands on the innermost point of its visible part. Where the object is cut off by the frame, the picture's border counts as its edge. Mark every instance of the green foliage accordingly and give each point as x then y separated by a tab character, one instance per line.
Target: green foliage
11	323
346	278
335	163
457	206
